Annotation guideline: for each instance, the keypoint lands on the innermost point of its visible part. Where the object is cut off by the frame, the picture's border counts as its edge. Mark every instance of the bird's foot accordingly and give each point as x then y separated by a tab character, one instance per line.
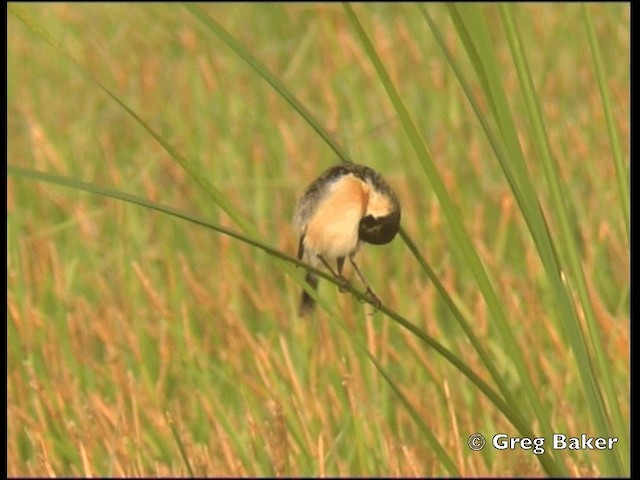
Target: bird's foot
374	300
343	283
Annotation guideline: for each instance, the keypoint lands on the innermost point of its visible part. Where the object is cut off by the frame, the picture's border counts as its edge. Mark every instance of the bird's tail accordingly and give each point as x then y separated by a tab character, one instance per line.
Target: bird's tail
306	302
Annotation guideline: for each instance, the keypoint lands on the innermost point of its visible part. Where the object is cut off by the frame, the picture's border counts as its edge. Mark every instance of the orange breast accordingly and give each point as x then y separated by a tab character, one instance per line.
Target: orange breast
333	230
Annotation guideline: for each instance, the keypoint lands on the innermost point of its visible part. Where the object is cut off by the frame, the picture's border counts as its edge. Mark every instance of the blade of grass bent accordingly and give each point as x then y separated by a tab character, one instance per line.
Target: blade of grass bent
510	413
584	362
461	238
453	308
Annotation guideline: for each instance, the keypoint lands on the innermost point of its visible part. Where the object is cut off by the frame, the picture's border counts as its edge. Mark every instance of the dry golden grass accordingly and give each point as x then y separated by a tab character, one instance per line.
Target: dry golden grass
122	323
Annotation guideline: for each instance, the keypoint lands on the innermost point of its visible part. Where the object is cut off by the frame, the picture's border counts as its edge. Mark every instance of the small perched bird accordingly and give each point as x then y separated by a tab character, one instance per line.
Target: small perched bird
346	205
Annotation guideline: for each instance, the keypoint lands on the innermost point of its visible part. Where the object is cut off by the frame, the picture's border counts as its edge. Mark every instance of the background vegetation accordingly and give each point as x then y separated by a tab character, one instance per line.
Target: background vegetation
140	344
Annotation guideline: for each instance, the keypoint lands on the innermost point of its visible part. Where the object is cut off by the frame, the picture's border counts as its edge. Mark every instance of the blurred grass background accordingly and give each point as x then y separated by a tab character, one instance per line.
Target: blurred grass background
132	335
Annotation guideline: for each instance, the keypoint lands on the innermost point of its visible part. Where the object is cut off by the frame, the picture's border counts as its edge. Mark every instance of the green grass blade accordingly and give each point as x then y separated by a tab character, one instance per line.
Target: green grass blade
176	436
467	17
455	311
572	256
543	240
621	170
461	237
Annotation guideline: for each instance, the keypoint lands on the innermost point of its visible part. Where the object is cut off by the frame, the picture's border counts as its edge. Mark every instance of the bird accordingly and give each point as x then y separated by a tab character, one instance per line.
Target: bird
347	205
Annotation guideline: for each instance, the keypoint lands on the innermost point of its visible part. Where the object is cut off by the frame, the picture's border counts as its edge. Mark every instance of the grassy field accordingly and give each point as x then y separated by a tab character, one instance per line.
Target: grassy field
142	344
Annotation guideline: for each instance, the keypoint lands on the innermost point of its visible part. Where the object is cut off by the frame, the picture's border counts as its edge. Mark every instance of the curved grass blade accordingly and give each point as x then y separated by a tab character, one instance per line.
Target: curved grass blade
512	414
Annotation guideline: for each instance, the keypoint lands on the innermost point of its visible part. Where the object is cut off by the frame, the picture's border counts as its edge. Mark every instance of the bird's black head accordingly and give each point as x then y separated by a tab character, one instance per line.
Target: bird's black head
381	230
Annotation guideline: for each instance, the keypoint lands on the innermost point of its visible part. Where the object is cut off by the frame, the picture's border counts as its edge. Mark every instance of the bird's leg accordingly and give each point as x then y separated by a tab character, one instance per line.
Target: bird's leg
340	264
343	280
300	248
372	296
344	283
